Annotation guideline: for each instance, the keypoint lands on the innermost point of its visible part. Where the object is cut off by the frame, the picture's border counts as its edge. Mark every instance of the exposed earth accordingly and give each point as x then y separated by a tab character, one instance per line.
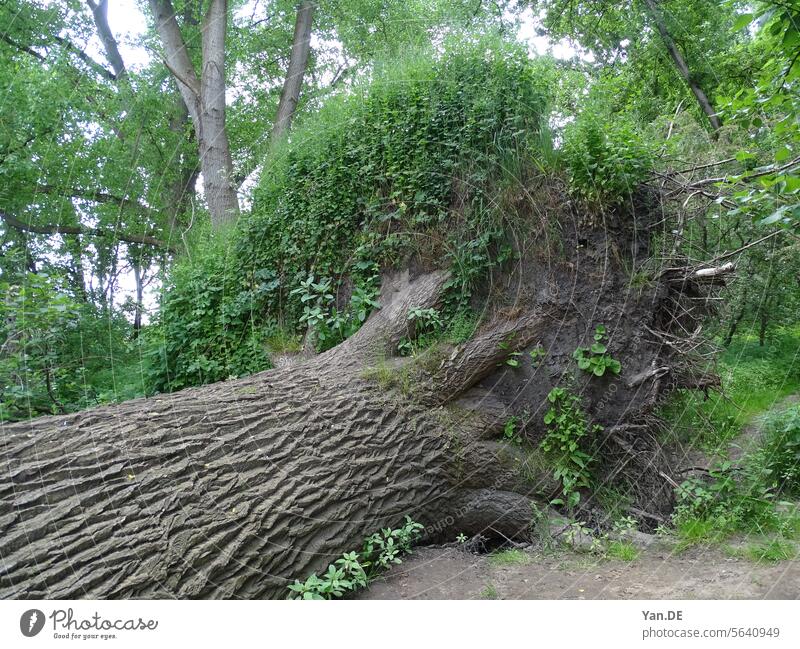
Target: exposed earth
658	573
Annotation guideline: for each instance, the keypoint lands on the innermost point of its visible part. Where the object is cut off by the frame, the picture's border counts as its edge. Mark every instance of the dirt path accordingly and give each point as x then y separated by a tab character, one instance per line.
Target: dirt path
697	573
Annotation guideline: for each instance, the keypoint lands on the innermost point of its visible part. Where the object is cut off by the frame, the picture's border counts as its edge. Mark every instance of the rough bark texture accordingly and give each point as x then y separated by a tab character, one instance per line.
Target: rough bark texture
237	488
301	46
230	490
205	99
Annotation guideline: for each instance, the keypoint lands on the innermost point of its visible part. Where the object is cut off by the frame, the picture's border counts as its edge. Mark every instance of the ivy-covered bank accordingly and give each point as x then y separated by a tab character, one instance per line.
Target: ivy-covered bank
414	159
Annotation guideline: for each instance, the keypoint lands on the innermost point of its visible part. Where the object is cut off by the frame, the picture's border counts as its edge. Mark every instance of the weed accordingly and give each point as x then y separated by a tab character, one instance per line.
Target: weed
622	550
772	551
567	445
489	592
354	570
596	359
510	433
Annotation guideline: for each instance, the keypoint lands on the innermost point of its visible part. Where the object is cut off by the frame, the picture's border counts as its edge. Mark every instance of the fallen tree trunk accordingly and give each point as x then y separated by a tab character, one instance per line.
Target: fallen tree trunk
231	490
237	488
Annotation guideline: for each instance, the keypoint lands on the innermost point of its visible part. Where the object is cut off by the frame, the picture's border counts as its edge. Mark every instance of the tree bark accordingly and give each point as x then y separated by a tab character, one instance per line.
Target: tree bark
235	489
205	100
680	63
293	84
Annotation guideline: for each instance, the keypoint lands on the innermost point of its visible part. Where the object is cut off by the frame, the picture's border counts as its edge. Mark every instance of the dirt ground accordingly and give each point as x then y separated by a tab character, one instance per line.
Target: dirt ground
659	573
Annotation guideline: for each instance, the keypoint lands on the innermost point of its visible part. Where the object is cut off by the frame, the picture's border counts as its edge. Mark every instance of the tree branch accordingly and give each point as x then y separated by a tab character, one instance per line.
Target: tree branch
79	229
177	57
95	196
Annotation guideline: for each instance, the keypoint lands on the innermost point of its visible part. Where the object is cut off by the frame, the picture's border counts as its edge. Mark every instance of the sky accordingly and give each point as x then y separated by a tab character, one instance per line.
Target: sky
127	22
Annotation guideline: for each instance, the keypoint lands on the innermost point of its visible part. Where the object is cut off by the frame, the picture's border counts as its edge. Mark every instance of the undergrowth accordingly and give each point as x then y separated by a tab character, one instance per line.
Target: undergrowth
354	570
413	161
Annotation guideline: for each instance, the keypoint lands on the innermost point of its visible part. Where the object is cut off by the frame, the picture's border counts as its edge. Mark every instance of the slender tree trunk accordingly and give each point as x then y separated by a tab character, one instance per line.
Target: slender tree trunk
293	84
215	153
680	63
139	306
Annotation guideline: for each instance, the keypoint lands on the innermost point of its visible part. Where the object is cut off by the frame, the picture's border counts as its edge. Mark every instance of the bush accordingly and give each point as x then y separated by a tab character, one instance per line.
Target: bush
60	354
606	158
778	458
421	149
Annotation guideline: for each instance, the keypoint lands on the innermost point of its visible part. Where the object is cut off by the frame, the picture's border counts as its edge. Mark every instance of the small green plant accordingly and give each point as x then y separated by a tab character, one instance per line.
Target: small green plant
567	444
461	538
427	326
772	551
596	359
622	550
510	433
490	592
354	570
537	354
512	358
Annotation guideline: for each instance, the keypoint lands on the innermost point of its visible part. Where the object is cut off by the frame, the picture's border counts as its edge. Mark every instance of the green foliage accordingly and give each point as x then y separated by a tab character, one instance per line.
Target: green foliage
209	326
421	148
60	354
606	158
623	551
537	355
734	498
777	460
320	315
568	445
426	325
510	433
767	187
355	570
772	551
754	378
596	359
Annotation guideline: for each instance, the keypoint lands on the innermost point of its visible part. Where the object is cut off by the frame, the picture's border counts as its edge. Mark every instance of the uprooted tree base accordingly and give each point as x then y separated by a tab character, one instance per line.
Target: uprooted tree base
236	488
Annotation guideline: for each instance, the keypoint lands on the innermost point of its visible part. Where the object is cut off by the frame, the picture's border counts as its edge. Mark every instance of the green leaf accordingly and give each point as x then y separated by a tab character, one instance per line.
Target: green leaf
743	21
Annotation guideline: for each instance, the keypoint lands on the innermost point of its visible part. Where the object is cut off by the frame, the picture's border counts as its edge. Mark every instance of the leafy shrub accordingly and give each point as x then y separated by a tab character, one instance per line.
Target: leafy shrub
596	359
421	148
568	445
60	354
778	458
355	570
606	158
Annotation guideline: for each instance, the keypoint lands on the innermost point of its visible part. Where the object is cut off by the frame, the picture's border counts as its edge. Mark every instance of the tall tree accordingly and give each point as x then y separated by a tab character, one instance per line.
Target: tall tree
688	33
204	96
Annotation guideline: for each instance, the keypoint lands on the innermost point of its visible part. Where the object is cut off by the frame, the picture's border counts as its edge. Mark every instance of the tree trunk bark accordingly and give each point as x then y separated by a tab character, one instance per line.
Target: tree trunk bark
205	99
680	64
215	153
235	489
293	84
